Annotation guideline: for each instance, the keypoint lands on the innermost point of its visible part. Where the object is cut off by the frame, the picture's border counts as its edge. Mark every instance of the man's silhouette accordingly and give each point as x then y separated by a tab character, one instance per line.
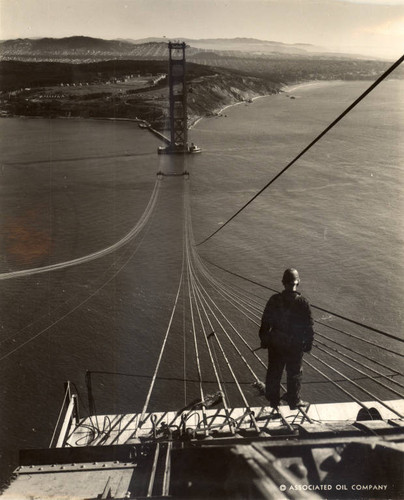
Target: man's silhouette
287	332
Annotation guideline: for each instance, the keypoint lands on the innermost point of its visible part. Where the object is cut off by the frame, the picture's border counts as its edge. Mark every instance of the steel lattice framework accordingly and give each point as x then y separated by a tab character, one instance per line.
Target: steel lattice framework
178	96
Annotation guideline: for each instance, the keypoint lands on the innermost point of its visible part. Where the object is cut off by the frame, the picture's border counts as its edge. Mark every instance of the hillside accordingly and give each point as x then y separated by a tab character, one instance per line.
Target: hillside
270	60
249	45
80	49
19	74
119	89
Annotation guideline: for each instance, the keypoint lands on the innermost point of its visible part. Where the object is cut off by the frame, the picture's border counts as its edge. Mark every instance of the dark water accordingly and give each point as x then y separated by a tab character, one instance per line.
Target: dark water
69	188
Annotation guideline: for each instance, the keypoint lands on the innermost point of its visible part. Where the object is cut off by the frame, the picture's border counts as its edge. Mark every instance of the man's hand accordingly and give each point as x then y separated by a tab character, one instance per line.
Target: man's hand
306	346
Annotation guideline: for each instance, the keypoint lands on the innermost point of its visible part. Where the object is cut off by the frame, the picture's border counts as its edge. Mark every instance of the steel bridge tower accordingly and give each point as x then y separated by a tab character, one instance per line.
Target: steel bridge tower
177	97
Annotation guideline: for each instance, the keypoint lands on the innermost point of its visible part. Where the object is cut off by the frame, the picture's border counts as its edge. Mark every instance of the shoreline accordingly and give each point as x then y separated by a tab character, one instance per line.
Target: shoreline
314	83
220	110
282	90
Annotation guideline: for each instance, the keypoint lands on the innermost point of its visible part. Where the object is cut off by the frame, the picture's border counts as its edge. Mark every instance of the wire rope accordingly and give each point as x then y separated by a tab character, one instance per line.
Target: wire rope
365	366
199	306
366	341
78	305
227	360
67	391
309	146
395	372
204	271
317	333
389	388
360	363
191	308
146	404
207	276
198	363
95	255
184	344
316	321
337	385
225	287
314	306
234	297
231	301
224	330
236	331
351	396
369	377
358	386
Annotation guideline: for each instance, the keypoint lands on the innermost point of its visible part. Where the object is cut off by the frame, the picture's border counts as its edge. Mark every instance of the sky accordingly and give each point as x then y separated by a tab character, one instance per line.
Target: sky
368	27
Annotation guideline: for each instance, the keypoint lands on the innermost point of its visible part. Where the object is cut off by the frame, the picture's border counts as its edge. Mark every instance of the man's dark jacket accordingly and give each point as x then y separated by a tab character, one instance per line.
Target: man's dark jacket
290	313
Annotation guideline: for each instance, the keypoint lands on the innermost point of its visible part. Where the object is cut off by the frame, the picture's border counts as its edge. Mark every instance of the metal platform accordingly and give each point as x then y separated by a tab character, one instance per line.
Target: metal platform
171	455
105	430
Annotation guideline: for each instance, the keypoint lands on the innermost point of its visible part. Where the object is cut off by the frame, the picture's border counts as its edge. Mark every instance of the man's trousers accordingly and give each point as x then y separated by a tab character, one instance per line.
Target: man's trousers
277	360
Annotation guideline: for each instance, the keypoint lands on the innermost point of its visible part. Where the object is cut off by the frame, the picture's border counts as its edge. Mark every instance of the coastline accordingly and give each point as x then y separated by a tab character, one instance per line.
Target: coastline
284	89
219	111
314	83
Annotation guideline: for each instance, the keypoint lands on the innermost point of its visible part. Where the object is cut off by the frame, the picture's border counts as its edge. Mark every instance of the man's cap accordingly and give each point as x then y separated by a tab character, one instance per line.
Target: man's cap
290	276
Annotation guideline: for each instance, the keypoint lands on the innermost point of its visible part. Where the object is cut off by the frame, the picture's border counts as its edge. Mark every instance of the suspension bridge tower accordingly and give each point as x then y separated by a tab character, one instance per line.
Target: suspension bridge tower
177	88
177	97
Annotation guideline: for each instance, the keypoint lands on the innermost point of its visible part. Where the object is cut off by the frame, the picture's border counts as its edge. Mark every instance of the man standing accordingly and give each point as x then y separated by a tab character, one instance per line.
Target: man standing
287	332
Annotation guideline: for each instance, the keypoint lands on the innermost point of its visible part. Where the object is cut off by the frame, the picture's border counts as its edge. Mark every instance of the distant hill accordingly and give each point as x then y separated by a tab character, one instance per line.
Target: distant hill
86	49
44	59
78	49
249	45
